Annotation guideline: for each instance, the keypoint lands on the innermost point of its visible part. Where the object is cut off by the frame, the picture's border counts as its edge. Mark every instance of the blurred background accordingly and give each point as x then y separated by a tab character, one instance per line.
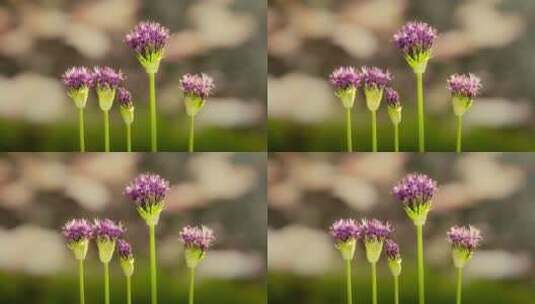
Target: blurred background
309	191
40	192
491	38
39	40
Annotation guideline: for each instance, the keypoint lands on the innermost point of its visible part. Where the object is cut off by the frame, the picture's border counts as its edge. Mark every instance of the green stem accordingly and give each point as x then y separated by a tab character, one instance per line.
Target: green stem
420	248
129	138
396	137
152	113
153	283
421	128
128	290
348	130
348	282
81	129
374	283
191	134
106	283
459	284
81	280
191	285
459	133
374	131
106	131
396	289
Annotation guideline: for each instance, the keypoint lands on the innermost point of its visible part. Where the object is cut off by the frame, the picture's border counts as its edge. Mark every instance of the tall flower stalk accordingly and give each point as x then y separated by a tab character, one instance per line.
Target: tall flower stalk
106	232
415	40
394	112
345	81
374	234
346	233
463	89
148	40
196	242
127	112
148	192
107	80
126	259
374	81
77	233
464	241
78	81
196	89
416	192
394	264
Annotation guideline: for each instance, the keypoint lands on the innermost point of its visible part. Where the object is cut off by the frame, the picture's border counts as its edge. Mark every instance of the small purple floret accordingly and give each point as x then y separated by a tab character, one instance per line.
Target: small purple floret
415	38
464	85
375	230
125	98
107	229
197	237
415	189
77	230
464	238
345	77
344	230
147	190
76	78
147	38
392	98
374	77
124	249
197	85
392	250
106	77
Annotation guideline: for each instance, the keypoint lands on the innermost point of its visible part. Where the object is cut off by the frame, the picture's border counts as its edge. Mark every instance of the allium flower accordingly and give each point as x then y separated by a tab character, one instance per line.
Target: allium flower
106	77
344	77
78	80
467	86
198	85
392	98
374	77
464	241
415	40
77	233
416	192
124	98
196	240
393	256
126	257
148	40
344	230
148	192
374	233
107	232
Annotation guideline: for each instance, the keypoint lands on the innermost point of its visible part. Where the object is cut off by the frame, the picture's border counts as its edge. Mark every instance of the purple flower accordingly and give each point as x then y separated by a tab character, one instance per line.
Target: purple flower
124	249
344	230
415	189
197	237
415	38
345	77
464	85
375	230
392	250
392	98
77	230
125	98
148	38
107	229
464	238
147	190
374	77
76	78
106	77
197	85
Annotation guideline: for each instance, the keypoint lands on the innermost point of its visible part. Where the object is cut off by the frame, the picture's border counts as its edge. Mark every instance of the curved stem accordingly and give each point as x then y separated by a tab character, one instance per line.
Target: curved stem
107	283
348	130
152	113
459	284
191	285
420	248
128	290
374	131
348	282
106	131
129	138
396	289
191	134
459	133
374	283
153	282
396	137
420	94
81	280
81	129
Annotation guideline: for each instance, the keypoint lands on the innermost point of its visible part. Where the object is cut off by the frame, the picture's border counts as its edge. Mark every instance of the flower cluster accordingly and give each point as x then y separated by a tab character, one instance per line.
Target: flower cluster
375	78
107	229
77	78
392	250
124	250
392	98
467	86
107	78
124	98
375	230
415	38
416	192
200	86
147	38
344	230
77	230
197	237
464	238
345	77
147	190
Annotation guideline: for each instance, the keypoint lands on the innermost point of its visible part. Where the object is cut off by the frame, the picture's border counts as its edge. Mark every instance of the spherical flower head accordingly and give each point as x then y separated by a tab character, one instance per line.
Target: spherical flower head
416	192
464	241
78	80
394	106
126	257
196	241
126	106
393	256
374	80
148	40
107	232
148	192
374	233
463	89
106	81
196	88
415	40
77	233
345	81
